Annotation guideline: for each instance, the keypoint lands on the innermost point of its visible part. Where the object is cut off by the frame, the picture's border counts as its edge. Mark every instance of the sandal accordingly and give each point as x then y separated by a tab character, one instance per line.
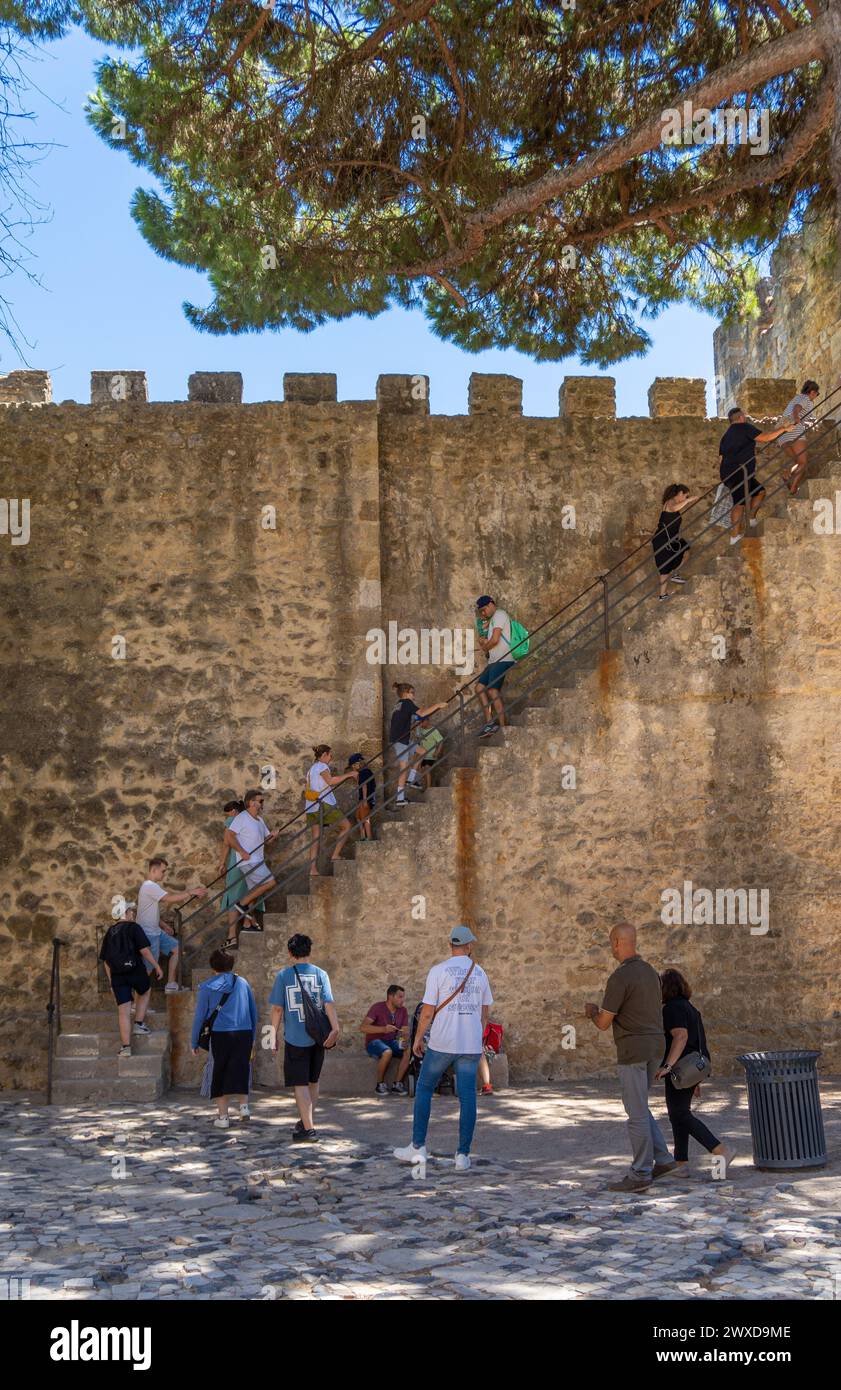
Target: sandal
231	944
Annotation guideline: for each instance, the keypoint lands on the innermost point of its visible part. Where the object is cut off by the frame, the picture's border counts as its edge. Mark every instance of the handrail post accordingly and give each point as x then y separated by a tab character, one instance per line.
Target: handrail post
461	727
319	858
746	494
178	933
605	609
53	1012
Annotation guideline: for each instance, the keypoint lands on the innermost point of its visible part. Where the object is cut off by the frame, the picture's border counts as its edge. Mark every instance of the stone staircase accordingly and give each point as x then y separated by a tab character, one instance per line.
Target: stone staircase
87	1067
564	711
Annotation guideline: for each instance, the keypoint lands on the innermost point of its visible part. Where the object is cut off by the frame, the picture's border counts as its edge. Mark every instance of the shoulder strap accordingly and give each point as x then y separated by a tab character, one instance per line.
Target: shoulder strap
452	996
211	1018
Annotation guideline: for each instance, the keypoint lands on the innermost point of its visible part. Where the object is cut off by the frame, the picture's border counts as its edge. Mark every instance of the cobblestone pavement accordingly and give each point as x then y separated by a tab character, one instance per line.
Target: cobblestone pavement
154	1203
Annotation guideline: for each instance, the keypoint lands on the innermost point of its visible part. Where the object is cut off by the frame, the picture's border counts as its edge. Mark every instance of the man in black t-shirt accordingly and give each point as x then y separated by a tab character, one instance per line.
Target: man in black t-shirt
737	455
125	946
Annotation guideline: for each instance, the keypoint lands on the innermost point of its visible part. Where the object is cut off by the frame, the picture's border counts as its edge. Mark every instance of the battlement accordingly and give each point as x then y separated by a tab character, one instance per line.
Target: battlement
489	393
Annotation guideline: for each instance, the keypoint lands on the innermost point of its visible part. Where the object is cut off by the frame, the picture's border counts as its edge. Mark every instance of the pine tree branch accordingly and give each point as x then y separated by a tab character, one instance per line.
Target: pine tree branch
761	172
808	43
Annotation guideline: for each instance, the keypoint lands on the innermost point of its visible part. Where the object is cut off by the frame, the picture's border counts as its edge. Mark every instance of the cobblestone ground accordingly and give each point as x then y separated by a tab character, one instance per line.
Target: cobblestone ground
245	1214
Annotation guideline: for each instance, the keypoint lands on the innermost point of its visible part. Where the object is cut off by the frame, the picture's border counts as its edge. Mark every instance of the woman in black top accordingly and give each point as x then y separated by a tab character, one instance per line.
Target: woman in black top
669	549
400	734
684	1029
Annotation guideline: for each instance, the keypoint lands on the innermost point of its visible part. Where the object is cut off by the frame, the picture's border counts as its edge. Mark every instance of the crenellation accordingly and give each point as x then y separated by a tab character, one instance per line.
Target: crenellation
118	386
588	395
26	388
310	388
493	393
671	396
765	398
403	395
216	388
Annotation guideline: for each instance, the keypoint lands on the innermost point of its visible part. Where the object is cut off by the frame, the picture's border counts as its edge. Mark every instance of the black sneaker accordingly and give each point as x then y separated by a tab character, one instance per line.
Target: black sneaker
299	1128
489	729
304	1136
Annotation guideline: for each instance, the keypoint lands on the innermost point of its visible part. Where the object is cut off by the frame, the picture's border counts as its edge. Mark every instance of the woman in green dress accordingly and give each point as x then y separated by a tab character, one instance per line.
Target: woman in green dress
235	885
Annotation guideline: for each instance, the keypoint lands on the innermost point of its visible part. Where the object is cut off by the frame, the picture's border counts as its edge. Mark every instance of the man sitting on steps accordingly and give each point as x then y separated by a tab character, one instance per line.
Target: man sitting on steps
386	1028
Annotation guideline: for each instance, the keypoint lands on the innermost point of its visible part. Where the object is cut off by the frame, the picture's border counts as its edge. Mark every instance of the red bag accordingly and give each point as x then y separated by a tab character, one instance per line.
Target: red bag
492	1040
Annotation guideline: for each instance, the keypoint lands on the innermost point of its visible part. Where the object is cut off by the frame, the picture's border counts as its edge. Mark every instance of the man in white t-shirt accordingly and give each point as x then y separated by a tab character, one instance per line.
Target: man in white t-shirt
248	834
497	645
456	1003
151	897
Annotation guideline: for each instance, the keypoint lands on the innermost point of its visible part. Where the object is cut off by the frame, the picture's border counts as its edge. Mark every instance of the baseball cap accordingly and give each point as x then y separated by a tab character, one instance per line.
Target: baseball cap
355	758
461	935
483	601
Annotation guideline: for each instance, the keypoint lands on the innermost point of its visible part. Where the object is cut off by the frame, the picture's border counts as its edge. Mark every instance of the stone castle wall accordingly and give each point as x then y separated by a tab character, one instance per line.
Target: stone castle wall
798	331
245	645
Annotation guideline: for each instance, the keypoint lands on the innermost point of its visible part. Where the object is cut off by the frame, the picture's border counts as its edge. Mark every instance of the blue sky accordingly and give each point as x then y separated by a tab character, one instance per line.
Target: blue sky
109	302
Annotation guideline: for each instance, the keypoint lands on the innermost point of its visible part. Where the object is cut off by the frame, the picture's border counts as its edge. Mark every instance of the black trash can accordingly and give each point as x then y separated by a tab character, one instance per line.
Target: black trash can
786	1123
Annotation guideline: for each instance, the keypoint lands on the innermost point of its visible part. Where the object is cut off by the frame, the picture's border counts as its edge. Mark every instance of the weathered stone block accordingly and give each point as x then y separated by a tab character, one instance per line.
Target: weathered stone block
588	395
492	393
26	388
403	395
309	387
765	396
670	396
118	386
217	388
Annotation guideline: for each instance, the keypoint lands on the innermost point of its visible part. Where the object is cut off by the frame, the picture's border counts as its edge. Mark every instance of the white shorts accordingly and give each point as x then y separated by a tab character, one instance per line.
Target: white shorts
254	874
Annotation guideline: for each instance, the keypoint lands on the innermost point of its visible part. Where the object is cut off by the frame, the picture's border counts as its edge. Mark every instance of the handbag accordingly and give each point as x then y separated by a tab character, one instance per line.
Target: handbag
689	1070
316	1023
207	1026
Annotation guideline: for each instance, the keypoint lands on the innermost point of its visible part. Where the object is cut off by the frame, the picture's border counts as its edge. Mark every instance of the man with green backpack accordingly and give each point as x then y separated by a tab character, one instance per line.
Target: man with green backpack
506	642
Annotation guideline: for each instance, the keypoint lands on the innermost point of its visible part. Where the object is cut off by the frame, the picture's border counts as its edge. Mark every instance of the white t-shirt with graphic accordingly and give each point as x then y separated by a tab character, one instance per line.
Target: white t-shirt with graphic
149	906
316	783
502	650
457	1028
251	831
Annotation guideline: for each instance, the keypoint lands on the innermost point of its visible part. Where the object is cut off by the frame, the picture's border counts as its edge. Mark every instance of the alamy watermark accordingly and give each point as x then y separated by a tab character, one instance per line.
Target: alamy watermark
426	646
729	125
14	519
716	907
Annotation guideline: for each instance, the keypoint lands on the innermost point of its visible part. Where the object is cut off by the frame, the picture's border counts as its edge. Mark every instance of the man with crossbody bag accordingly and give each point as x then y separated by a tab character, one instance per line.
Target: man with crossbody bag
456	1004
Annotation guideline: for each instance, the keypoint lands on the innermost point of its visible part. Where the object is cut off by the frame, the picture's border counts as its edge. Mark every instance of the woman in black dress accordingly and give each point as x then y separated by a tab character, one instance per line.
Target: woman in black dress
669	549
684	1030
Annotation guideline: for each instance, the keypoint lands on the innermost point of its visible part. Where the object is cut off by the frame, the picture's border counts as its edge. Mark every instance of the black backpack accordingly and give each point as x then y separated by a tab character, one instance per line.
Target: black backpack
316	1023
121	953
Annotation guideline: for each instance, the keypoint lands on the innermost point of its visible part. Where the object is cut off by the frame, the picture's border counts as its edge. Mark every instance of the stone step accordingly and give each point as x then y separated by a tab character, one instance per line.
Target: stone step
122	1090
110	1068
102	1044
105	1021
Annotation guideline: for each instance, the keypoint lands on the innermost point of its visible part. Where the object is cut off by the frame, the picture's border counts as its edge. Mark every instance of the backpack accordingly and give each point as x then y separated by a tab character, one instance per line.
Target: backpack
316	1023
518	641
121	954
492	1041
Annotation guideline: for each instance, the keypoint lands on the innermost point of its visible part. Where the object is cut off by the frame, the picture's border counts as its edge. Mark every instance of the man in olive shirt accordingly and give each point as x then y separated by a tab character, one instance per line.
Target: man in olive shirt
633	1004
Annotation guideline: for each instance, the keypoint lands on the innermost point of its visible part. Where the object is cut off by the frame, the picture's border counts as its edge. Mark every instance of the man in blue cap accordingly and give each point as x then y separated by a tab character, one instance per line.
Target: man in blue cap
456	1003
497	645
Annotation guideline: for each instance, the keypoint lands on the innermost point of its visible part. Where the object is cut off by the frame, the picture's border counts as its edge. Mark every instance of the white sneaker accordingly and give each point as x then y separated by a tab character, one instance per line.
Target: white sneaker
172	989
410	1154
222	1122
245	1112
734	540
142	1029
462	1163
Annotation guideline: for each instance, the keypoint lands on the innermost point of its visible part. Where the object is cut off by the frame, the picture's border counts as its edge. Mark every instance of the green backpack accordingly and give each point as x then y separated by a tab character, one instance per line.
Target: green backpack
518	641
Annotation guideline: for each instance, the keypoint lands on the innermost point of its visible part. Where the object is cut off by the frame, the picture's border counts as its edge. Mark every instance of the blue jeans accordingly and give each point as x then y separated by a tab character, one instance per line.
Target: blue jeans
434	1066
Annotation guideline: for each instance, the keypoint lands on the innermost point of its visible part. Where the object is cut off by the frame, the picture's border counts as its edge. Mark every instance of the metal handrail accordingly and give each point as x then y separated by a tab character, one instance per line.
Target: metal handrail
53	1013
466	716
